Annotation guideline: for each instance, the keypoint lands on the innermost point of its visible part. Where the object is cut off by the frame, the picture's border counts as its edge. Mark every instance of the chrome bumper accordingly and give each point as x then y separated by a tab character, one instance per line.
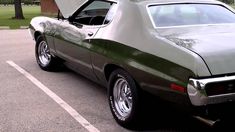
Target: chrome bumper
197	93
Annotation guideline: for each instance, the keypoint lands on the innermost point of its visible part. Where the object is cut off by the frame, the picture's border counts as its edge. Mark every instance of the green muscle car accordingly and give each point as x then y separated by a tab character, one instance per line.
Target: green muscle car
181	51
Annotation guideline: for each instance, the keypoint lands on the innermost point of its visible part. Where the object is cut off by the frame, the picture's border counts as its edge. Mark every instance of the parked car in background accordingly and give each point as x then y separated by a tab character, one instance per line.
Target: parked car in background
181	51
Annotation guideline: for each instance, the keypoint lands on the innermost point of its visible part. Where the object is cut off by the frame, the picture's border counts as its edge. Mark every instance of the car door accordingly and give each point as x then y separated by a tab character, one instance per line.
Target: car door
72	41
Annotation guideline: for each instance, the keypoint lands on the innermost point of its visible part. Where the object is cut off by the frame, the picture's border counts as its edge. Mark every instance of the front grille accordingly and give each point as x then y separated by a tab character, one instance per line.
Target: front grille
218	88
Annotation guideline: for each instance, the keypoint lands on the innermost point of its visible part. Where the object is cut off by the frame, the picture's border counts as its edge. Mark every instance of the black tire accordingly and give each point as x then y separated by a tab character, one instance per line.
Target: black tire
132	117
52	62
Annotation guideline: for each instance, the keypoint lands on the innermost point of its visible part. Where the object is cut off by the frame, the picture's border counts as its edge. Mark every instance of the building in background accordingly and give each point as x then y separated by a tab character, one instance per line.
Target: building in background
49	7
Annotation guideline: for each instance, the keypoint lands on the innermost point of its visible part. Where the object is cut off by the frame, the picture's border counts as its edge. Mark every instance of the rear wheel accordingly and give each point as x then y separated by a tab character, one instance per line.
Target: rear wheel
124	98
44	59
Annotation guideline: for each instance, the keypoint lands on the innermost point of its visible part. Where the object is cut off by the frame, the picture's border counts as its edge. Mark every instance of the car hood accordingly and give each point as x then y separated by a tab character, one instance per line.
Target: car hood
68	7
214	43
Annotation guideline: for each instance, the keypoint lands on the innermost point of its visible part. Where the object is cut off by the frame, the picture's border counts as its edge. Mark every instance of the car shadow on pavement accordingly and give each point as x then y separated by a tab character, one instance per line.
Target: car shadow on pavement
162	117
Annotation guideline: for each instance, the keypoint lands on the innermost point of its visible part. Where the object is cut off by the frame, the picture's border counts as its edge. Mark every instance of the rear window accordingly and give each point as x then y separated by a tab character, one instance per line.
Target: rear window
190	14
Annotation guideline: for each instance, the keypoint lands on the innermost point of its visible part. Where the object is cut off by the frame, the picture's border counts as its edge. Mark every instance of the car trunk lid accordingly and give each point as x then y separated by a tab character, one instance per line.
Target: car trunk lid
214	43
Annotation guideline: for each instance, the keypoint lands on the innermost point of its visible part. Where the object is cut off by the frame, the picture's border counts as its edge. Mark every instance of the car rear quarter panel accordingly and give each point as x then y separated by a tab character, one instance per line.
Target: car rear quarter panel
152	73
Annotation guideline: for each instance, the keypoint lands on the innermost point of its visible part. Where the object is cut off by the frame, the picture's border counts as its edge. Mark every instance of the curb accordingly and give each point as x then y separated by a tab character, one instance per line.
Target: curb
4	27
24	27
7	27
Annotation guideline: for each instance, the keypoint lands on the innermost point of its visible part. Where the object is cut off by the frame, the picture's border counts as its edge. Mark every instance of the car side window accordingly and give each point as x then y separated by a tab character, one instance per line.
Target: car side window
94	14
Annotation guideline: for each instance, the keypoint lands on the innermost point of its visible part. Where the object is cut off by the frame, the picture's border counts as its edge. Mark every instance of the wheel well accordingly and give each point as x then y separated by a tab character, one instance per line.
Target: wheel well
109	69
36	35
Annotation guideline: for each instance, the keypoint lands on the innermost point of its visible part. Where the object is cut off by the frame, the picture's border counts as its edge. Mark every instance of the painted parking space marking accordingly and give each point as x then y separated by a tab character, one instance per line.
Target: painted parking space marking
56	98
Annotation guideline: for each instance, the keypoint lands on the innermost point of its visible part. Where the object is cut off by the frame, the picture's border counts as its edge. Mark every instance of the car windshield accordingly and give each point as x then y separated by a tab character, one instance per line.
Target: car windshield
190	14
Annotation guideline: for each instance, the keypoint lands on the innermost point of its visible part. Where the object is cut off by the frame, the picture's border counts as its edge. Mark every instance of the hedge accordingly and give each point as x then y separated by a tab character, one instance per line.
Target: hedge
228	1
12	1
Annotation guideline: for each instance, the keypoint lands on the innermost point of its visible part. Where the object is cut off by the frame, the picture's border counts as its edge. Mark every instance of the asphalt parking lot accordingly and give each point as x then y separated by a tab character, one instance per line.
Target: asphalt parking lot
35	100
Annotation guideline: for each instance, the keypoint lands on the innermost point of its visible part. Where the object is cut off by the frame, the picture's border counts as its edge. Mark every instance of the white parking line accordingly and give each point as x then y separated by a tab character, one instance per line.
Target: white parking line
56	98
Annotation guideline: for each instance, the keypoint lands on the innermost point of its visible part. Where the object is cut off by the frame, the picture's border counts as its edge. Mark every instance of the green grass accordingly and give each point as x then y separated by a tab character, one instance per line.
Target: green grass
7	12
233	6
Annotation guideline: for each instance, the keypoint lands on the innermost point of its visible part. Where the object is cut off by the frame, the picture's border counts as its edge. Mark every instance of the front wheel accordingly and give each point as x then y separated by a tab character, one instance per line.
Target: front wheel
44	59
124	99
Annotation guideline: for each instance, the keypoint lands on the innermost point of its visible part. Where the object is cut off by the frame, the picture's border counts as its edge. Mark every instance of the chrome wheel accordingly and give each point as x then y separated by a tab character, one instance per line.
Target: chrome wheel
122	97
44	53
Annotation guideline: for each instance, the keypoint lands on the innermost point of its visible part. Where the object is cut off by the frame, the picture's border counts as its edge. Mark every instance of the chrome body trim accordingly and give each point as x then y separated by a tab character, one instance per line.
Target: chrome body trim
207	121
197	93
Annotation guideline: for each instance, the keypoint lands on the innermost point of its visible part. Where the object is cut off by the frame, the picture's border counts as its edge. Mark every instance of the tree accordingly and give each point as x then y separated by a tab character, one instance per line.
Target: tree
228	1
18	10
